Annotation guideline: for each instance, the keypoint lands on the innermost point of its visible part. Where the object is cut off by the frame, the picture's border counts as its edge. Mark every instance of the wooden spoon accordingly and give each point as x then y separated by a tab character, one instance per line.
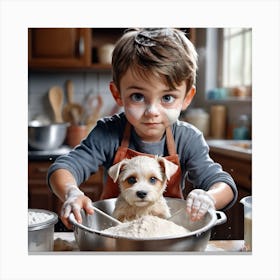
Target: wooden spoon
72	112
95	110
56	101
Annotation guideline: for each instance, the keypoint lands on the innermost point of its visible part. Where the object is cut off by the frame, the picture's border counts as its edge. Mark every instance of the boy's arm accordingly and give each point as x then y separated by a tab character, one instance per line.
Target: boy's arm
65	187
222	194
59	182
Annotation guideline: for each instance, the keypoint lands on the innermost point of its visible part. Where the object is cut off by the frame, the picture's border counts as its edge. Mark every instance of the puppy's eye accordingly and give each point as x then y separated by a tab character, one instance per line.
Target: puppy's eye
153	180
131	180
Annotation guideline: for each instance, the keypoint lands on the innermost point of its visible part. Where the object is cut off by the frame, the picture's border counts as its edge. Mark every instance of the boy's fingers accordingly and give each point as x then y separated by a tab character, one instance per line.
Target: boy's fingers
88	207
77	214
66	222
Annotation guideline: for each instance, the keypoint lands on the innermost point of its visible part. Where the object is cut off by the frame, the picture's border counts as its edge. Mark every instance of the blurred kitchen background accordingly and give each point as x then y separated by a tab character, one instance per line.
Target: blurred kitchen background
77	62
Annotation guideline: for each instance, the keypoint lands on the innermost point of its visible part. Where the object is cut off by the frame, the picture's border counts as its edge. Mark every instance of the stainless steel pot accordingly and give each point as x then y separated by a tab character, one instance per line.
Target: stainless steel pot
46	137
90	238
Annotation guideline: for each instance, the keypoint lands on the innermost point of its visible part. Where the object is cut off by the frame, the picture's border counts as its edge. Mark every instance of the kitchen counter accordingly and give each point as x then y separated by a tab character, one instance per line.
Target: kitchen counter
65	242
241	149
37	155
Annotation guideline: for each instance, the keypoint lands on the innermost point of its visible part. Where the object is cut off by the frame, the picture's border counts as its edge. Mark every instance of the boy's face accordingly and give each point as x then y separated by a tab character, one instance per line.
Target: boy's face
149	105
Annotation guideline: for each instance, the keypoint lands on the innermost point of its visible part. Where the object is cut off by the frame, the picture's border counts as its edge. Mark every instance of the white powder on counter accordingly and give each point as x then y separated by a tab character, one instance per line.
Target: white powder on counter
38	217
147	227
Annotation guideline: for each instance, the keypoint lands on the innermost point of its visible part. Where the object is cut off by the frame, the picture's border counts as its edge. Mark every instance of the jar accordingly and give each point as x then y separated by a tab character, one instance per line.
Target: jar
218	121
200	119
241	131
105	53
75	134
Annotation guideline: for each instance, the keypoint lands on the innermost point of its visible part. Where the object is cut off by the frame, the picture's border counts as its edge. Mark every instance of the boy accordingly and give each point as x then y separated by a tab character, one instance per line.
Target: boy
154	74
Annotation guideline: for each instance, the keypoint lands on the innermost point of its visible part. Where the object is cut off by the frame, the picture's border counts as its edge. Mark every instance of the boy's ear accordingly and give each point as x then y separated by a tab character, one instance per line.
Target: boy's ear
116	94
188	98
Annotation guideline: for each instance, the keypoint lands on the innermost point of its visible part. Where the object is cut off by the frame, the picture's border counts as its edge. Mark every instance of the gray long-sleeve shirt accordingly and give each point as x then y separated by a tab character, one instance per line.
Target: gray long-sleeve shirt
99	149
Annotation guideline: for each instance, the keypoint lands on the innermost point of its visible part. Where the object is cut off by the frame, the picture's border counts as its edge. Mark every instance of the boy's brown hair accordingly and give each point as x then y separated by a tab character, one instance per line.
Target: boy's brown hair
163	52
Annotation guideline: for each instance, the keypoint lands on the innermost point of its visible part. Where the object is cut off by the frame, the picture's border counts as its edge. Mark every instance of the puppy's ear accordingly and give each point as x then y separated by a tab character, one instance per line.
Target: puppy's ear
114	171
169	167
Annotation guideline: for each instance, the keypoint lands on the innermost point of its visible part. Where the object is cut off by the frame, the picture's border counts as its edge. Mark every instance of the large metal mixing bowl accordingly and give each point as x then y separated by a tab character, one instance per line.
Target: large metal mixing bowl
90	238
46	137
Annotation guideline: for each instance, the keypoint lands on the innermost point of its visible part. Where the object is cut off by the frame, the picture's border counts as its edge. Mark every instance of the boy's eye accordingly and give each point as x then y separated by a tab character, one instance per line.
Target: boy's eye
168	99
137	97
153	180
131	180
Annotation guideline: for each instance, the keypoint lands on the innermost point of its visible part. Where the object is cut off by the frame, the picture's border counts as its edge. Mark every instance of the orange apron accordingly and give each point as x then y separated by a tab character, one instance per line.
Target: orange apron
173	188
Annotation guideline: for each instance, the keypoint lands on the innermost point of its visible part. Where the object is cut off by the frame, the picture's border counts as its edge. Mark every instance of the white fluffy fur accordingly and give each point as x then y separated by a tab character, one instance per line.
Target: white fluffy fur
129	206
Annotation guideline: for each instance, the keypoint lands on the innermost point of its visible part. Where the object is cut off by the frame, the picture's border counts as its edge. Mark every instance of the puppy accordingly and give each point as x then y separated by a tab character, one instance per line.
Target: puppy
142	181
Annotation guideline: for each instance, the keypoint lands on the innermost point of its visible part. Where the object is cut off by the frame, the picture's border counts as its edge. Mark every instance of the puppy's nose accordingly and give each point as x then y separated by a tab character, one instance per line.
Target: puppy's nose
141	194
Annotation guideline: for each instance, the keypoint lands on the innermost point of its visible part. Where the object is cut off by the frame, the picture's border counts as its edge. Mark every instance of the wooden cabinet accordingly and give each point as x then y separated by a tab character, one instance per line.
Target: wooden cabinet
241	171
39	194
68	48
59	47
72	48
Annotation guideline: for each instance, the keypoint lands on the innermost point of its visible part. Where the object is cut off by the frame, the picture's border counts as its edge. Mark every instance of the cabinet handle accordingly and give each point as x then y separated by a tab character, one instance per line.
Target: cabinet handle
81	46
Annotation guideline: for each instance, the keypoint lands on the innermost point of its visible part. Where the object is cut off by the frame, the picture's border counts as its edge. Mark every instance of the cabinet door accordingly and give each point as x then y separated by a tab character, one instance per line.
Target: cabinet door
39	194
59	47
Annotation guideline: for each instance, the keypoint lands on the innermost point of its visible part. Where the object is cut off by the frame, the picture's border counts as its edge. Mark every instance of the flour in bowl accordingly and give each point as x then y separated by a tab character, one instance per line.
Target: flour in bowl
147	227
38	217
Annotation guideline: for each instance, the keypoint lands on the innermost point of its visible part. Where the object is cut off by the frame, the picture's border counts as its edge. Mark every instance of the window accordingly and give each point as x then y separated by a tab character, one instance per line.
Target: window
237	57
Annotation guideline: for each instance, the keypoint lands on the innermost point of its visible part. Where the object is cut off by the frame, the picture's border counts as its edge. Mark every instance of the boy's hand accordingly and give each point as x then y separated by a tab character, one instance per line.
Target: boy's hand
198	203
75	201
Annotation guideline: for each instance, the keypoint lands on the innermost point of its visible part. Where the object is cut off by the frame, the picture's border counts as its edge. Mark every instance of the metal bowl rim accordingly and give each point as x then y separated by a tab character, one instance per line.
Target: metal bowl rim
48	125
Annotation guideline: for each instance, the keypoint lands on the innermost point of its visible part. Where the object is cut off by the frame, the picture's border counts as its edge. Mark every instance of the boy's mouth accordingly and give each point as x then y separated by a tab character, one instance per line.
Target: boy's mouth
148	124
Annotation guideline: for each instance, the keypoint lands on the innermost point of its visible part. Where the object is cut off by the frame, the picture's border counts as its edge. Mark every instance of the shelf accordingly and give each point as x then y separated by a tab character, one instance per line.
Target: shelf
91	68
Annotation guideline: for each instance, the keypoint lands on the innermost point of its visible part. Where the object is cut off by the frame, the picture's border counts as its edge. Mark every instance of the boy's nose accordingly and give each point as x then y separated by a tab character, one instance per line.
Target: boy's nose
151	110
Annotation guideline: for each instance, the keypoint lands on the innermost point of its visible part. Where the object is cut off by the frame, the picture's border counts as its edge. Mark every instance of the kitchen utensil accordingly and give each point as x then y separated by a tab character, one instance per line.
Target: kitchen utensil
247	202
56	101
94	105
90	237
106	215
46	137
176	213
72	112
41	234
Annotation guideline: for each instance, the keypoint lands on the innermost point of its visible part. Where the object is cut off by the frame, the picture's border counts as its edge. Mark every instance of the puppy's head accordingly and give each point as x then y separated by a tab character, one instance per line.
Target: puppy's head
142	179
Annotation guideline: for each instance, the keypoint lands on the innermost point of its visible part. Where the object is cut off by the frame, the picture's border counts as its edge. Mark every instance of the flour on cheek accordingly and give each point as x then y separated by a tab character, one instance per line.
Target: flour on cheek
172	114
136	112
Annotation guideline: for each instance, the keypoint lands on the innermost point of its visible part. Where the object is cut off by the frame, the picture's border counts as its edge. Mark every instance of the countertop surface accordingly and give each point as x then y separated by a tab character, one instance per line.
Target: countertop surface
65	242
48	155
241	149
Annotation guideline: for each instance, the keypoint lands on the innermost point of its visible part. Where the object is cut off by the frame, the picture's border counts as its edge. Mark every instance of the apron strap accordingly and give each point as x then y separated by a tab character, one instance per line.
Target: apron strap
170	142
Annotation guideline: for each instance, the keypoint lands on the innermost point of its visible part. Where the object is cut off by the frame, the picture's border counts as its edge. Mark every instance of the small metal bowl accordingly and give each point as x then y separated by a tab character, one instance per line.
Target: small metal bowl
46	137
40	235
